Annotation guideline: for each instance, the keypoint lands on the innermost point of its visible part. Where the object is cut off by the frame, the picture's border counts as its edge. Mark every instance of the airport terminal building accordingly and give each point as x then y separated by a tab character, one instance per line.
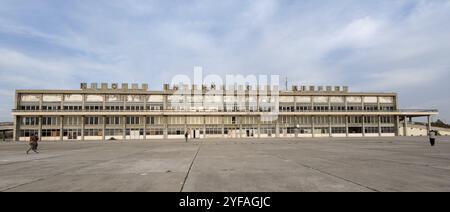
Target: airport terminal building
134	112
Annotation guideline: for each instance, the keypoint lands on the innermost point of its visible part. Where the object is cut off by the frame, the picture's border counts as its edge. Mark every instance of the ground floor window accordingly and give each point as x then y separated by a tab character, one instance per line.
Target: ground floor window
338	130
155	131
134	131
322	130
50	133
93	132
355	130
113	132
72	133
213	130
371	130
28	133
387	130
175	131
304	130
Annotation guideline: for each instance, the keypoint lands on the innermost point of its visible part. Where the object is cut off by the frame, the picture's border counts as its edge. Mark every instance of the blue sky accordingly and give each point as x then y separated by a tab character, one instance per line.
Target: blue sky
392	45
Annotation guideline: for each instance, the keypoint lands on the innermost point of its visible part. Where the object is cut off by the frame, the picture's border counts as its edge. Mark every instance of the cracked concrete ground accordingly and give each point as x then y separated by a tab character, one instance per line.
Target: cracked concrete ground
296	164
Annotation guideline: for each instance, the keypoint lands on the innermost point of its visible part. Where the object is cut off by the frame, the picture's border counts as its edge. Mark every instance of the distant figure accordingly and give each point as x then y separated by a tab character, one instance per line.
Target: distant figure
432	136
33	143
186	134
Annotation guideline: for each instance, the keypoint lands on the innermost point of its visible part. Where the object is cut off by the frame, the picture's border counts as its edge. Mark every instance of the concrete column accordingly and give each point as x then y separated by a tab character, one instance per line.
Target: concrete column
145	102
259	129
41	97
40	127
363	128
82	126
312	126
345	103
397	126
165	127
83	102
329	103
104	102
61	128
164	102
204	131
277	130
62	102
378	103
346	125
223	126
428	124
379	125
16	129
185	126
329	127
103	128
204	127
124	126
145	127
124	102
405	125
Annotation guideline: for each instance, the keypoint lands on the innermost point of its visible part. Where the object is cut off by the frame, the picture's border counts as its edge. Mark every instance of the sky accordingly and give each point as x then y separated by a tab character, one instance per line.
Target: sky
400	46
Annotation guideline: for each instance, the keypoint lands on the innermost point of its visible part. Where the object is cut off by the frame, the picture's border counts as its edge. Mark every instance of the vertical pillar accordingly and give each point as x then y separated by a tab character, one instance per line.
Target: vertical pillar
313	119
329	127
223	127
145	127
204	127
40	128
185	126
428	124
165	127
329	103
145	102
41	97
104	102
62	102
16	129
363	128
83	102
397	126
346	125
379	125
61	128
277	129
258	119
82	126
405	125
124	126
125	102
103	128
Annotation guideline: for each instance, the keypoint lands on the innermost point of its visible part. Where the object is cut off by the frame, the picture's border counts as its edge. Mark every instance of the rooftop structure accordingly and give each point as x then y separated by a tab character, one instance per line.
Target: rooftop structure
121	111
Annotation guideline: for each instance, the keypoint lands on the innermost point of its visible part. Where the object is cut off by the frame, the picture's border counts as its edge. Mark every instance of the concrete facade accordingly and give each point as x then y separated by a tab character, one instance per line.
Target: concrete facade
137	114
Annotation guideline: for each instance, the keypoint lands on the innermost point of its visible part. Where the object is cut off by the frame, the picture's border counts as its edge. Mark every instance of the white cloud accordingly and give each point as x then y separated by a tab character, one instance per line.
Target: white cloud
368	45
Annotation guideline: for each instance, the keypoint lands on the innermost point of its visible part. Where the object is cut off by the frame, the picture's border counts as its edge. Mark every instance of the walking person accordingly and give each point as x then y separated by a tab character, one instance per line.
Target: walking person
186	134
33	143
432	136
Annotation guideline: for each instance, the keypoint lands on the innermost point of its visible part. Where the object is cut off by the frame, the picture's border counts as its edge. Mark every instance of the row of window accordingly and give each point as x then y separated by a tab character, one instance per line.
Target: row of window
229	109
152	120
74	133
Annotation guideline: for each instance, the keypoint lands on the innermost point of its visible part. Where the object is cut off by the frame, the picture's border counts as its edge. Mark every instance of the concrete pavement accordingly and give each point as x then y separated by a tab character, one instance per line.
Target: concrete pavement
303	164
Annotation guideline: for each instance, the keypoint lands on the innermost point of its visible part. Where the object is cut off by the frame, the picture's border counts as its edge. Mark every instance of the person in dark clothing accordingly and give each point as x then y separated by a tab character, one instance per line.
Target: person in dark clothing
186	134
432	136
33	143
